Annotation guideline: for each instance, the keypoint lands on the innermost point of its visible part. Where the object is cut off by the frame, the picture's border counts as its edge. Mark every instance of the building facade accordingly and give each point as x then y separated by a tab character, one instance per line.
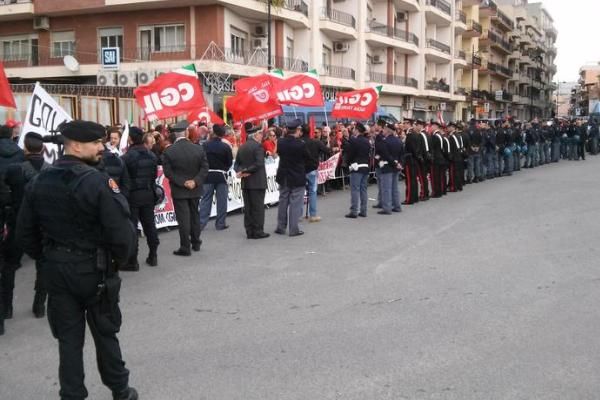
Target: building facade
585	100
458	58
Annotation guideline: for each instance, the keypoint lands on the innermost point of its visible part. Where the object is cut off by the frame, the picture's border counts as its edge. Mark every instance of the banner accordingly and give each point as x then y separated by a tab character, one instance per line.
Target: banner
205	114
44	115
300	90
327	168
254	106
164	213
6	95
172	94
357	104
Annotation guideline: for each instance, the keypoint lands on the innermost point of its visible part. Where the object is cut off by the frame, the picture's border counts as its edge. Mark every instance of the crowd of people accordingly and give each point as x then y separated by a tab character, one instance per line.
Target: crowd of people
87	205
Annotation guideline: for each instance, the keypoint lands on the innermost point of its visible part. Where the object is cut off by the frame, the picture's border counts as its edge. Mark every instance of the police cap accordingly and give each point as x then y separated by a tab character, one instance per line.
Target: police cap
82	131
251	128
219	130
179	126
360	127
419	122
453	124
296	123
136	134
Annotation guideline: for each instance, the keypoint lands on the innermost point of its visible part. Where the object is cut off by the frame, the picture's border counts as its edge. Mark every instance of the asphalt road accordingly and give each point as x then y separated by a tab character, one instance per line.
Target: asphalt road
487	294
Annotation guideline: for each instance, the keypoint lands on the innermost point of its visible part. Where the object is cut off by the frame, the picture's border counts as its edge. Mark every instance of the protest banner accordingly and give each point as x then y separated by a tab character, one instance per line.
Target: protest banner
357	104
44	115
327	168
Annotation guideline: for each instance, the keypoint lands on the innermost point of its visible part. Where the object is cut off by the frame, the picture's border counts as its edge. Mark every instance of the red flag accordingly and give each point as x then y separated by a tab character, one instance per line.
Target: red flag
357	104
6	96
171	94
248	107
207	115
312	126
300	90
254	83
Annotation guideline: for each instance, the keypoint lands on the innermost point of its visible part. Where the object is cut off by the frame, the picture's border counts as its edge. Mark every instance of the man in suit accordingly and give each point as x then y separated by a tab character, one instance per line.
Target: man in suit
291	177
250	166
358	157
186	166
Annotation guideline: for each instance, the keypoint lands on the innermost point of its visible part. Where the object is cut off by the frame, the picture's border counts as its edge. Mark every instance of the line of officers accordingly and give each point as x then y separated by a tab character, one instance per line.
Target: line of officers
436	158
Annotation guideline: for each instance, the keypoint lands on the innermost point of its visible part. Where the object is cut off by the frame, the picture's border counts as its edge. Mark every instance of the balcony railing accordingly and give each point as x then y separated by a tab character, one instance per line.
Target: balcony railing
338	16
461	16
474	26
460	91
393	79
441	5
497	38
395	33
296	5
505	19
460	54
474	59
434	44
338	72
491	4
439	86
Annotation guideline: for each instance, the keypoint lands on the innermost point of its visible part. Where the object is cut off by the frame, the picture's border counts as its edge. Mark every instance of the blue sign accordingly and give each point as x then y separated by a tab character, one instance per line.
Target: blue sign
110	58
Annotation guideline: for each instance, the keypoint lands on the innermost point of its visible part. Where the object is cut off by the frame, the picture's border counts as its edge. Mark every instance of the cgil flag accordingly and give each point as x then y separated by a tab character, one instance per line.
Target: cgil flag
205	114
6	95
357	104
172	94
300	90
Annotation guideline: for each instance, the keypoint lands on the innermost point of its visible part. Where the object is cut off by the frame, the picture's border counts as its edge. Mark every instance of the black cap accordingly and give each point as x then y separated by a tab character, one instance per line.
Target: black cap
419	122
250	128
433	122
409	120
82	131
381	122
34	136
390	126
453	124
179	126
136	134
294	124
360	127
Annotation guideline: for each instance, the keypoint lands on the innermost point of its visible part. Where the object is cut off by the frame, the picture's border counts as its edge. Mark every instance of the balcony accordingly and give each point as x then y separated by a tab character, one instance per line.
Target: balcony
460	59
488	8
338	25
460	19
503	21
380	77
496	40
552	51
438	12
379	35
438	88
551	31
503	96
296	5
474	29
409	5
460	91
16	9
437	52
474	60
335	71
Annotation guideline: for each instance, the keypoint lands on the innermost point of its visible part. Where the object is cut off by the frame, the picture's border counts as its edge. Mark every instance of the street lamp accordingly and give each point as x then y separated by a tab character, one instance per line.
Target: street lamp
473	55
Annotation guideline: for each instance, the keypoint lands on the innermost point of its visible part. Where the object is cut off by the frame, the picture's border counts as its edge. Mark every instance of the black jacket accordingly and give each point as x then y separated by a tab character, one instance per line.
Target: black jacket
250	158
142	167
316	148
437	148
293	158
220	158
112	165
359	151
17	177
183	161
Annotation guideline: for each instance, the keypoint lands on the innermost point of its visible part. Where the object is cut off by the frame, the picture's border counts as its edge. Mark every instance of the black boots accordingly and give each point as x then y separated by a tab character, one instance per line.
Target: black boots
39	304
128	394
152	259
132	265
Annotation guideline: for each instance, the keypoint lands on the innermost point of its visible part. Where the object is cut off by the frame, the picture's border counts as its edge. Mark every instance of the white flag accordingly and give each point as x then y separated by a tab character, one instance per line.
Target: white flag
44	115
124	143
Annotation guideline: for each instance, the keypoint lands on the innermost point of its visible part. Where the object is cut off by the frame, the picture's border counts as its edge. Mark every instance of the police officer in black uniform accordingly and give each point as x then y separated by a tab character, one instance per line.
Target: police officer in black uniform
75	220
358	157
141	165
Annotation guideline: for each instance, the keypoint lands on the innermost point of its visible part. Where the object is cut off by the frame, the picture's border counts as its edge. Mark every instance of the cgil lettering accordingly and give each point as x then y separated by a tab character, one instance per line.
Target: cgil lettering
361	99
298	92
168	97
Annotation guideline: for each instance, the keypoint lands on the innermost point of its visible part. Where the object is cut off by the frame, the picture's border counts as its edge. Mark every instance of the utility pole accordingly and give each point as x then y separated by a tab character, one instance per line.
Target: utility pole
269	63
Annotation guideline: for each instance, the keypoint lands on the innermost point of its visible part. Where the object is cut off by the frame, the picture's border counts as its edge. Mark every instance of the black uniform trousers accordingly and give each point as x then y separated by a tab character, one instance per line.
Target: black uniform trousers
436	180
188	219
72	284
412	186
11	259
145	215
254	211
422	171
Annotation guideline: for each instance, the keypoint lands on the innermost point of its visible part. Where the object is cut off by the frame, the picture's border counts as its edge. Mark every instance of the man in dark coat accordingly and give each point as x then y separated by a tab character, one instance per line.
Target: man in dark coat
142	166
75	240
220	159
186	167
316	148
358	158
250	167
291	177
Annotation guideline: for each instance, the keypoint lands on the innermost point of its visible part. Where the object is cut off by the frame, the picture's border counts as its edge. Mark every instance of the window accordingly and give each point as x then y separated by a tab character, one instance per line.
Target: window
168	38
326	60
111	37
238	41
98	109
63	43
16	49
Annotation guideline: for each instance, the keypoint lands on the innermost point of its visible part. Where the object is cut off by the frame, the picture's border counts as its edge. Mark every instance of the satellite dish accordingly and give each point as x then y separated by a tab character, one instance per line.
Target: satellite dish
71	63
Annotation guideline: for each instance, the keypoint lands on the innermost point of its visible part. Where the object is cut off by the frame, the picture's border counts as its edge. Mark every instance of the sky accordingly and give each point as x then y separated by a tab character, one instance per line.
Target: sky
578	24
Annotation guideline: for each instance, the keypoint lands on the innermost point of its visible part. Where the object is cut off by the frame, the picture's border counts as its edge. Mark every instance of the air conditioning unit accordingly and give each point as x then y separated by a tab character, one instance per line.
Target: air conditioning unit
260	43
144	77
377	60
106	78
442	106
259	31
127	79
341	47
41	23
400	17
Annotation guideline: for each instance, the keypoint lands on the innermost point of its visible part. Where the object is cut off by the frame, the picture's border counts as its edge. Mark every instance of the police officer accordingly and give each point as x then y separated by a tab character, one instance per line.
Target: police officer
530	141
517	138
489	136
142	165
454	158
583	138
474	151
437	164
358	156
412	152
74	220
114	167
17	176
220	160
387	164
423	163
594	136
500	147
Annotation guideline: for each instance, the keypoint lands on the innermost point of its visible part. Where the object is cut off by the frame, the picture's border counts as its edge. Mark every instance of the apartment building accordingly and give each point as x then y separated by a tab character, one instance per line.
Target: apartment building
585	100
423	52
